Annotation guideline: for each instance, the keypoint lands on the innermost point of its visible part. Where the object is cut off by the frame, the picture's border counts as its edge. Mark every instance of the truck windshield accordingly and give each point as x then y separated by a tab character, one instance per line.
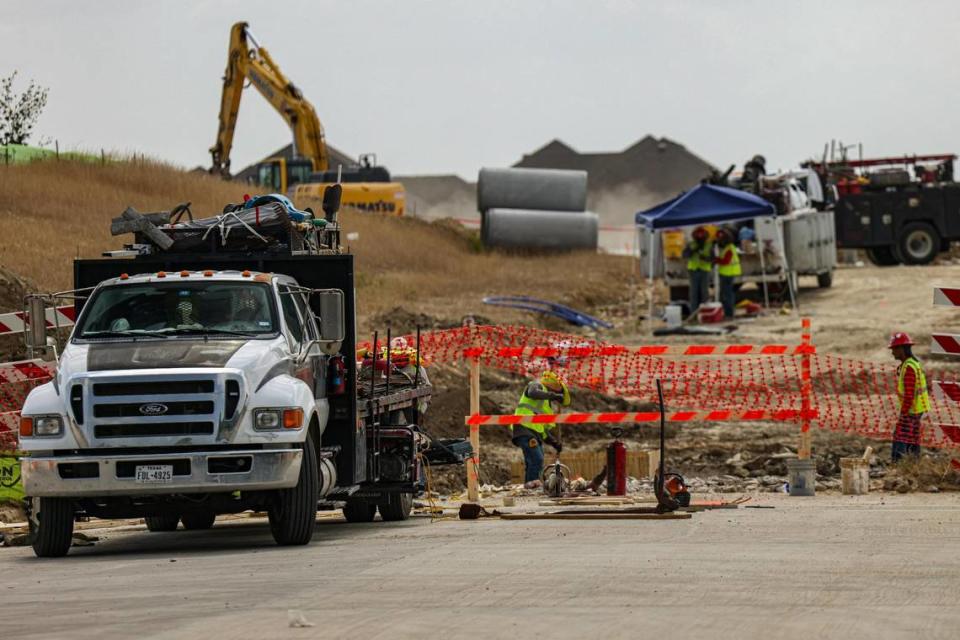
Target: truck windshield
179	309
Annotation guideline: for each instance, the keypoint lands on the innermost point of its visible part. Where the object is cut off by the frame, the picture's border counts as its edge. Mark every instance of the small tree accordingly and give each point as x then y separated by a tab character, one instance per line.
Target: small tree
19	113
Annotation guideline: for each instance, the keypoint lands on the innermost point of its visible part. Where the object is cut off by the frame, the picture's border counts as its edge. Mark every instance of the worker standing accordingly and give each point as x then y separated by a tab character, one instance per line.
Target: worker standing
537	399
699	255
728	268
913	396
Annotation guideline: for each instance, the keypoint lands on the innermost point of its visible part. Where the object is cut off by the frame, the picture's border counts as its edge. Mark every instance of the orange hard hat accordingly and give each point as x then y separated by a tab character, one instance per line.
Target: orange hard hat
699	233
899	339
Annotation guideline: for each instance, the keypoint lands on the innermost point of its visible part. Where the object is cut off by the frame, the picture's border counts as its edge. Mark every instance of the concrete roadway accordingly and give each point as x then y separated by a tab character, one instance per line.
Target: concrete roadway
852	567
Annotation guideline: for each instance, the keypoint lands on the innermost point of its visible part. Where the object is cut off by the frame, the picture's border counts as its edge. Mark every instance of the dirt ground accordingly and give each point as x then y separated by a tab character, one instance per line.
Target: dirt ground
853	318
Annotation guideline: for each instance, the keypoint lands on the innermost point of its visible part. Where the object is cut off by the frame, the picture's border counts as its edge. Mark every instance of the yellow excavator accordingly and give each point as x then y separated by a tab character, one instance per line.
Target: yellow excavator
366	186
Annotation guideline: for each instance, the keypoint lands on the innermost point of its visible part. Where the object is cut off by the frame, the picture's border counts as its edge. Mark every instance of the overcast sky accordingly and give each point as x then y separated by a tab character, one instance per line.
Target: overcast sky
445	86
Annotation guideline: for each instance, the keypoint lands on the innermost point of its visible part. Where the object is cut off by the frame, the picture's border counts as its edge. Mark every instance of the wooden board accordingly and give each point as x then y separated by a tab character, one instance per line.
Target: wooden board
613	515
640	464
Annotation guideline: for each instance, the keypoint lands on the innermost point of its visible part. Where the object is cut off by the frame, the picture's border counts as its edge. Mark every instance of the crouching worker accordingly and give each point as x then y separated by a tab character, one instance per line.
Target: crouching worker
539	398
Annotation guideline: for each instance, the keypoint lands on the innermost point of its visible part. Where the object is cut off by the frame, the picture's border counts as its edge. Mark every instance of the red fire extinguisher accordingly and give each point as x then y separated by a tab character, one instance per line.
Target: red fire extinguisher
337	376
617	466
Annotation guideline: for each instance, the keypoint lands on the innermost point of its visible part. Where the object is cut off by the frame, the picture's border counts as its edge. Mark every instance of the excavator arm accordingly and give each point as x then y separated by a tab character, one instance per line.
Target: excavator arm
253	63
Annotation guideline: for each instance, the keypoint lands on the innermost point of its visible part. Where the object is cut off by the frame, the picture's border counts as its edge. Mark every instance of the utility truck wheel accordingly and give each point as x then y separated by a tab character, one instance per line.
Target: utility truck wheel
825	280
162	523
294	512
396	506
198	520
51	526
359	511
919	243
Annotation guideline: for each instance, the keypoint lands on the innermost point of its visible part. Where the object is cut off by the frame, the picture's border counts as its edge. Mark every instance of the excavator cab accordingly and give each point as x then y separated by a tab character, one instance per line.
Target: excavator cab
279	174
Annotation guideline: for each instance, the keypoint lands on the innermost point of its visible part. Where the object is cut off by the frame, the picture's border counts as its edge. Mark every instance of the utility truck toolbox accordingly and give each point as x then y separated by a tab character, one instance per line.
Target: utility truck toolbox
219	379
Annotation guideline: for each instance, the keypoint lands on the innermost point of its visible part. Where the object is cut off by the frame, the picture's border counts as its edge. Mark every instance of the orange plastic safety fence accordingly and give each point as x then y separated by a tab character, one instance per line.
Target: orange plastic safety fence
847	394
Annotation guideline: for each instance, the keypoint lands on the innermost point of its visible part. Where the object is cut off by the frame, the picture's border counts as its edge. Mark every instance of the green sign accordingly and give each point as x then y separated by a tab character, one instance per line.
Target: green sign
10	486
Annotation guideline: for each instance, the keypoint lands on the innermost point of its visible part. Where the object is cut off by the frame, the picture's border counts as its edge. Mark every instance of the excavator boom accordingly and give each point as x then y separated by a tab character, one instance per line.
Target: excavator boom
247	60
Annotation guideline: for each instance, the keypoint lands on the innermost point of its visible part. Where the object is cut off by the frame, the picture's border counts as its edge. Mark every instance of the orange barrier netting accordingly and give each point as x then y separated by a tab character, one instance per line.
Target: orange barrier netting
846	394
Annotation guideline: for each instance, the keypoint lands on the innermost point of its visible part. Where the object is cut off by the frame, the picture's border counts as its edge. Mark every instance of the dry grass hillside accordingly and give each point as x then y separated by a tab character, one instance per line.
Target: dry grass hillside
51	212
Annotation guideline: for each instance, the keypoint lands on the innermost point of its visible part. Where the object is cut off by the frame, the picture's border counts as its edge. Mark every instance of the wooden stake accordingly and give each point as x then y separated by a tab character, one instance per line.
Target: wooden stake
473	463
806	437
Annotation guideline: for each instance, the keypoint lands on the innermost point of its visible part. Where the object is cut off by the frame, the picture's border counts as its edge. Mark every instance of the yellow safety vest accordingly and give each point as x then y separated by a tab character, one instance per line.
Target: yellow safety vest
530	407
732	269
921	399
701	259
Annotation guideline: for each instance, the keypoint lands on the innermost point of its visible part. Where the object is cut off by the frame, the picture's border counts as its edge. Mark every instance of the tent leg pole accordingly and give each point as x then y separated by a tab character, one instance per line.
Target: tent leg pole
786	265
763	271
650	274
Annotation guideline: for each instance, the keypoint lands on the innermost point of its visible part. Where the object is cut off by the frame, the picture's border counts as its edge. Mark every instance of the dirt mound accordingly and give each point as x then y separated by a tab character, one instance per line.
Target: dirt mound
12	290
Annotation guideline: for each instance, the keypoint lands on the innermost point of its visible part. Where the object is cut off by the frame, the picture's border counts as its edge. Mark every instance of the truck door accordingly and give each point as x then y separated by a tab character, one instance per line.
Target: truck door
296	334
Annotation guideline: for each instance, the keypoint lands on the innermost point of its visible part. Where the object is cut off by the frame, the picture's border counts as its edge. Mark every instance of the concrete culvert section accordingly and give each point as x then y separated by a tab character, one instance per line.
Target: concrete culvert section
518	228
542	189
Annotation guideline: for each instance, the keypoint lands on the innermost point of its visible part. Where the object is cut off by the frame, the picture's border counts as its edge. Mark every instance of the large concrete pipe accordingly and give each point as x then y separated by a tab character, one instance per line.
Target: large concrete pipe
545	189
525	229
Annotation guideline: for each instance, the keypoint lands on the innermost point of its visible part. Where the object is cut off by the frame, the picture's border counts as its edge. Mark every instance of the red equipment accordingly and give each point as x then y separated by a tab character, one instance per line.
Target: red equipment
617	466
899	340
337	376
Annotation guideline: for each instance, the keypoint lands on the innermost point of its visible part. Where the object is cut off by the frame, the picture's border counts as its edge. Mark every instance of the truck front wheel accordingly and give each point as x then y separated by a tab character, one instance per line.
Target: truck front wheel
51	526
294	512
919	243
396	506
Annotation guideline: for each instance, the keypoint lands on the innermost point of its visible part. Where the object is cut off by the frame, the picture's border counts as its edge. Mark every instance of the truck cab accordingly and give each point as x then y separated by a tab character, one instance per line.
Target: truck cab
196	384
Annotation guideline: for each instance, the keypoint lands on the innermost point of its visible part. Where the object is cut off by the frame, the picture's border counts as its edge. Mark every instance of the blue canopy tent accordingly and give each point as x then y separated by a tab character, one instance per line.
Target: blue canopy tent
706	204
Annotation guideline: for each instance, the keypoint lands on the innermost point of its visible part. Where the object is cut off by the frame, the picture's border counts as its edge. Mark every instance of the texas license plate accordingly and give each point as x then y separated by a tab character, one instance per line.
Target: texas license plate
154	473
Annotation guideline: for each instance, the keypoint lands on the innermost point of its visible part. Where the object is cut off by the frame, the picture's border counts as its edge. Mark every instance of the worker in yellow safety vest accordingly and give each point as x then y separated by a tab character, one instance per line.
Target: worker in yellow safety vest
728	268
913	396
538	398
699	255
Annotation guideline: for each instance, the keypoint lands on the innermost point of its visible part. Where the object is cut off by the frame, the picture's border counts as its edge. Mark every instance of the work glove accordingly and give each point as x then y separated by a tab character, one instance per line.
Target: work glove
556	397
556	444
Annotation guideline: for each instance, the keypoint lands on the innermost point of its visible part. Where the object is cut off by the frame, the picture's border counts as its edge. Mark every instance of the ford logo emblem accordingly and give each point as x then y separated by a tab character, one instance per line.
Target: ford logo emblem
153	409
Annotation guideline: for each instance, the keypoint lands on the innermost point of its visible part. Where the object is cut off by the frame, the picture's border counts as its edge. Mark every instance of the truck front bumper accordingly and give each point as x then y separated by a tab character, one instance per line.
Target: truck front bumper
193	472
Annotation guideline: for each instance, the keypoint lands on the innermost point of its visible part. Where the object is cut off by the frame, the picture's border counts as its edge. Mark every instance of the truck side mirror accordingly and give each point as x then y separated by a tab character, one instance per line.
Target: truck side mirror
331	201
36	334
332	324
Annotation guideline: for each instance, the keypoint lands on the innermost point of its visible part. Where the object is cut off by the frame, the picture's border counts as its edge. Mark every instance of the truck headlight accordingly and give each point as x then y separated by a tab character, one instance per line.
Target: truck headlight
41	426
269	419
265	419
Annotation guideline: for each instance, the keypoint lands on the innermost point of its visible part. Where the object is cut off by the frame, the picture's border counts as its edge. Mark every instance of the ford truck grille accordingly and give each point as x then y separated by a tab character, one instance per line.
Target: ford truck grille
141	430
151	410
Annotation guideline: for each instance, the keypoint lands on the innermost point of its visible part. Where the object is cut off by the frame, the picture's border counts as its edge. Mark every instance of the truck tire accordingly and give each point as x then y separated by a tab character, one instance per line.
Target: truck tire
882	256
359	511
294	512
198	520
162	523
919	243
51	527
395	506
825	279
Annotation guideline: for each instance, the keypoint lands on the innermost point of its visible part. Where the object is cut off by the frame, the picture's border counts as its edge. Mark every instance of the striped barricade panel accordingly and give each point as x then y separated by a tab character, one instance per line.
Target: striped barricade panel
11	323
